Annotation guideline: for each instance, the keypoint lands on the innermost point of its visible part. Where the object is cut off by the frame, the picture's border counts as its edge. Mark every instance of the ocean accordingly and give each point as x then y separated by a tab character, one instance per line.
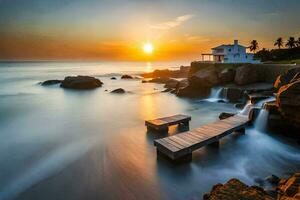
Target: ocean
66	145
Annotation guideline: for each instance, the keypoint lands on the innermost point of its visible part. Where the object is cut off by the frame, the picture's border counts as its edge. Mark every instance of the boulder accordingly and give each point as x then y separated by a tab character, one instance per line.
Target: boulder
288	102
225	115
227	76
118	91
289	189
51	82
204	79
80	82
246	74
126	77
288	77
161	80
172	83
113	78
233	94
236	190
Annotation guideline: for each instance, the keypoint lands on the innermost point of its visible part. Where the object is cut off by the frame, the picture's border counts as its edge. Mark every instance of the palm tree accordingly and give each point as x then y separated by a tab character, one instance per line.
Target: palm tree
253	46
279	43
291	43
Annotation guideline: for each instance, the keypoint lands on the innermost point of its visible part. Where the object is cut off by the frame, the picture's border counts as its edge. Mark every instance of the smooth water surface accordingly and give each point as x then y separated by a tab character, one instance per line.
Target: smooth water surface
67	145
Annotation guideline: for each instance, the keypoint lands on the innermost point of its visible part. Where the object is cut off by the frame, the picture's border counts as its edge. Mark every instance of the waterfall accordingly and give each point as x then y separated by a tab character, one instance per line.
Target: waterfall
215	95
261	121
246	109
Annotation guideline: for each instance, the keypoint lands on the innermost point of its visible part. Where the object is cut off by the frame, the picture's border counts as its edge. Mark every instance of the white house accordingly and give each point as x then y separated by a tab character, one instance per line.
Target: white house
231	53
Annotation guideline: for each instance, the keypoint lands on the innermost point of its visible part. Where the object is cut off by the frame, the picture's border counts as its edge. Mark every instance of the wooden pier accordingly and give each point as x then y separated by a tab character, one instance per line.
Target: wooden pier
181	146
162	124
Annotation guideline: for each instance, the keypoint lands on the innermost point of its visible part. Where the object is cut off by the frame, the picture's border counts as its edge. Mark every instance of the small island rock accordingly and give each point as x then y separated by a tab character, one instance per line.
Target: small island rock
81	82
118	91
113	78
51	82
126	77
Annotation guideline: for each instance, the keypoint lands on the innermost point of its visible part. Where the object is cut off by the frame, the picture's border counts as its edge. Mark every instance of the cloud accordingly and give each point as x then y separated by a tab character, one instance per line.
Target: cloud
173	23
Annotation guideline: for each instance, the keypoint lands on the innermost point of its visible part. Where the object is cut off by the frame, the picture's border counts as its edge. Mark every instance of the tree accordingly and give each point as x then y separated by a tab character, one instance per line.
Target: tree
279	43
291	43
253	46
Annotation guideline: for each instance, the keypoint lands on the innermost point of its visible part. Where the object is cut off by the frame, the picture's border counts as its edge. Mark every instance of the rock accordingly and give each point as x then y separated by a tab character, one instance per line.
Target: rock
274	180
240	105
181	73
172	83
236	190
225	115
288	102
246	74
289	189
221	101
233	94
113	78
168	90
288	77
81	82
118	91
227	76
161	80
205	78
255	97
145	81
126	77
51	82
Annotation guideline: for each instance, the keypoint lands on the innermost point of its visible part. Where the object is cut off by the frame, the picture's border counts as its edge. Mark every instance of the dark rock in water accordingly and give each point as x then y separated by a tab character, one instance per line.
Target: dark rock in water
81	82
288	102
168	90
161	80
105	90
221	101
236	190
126	77
240	105
227	76
118	91
51	82
274	180
288	77
172	83
113	78
190	91
145	81
225	115
233	94
246	74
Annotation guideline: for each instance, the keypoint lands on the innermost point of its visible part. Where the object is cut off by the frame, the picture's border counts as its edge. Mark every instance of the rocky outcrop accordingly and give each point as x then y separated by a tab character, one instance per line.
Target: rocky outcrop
288	102
226	76
289	76
225	115
51	82
246	74
289	189
236	190
181	73
118	91
126	77
81	82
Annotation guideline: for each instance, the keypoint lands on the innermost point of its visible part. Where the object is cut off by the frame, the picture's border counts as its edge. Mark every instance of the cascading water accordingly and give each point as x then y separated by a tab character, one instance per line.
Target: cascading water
215	95
246	109
261	121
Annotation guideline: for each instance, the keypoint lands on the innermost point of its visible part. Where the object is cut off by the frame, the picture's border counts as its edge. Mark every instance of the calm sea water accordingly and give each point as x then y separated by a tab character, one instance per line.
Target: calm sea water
68	145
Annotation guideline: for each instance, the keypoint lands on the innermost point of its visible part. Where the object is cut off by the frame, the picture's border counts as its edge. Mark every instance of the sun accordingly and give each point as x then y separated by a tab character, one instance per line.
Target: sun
148	48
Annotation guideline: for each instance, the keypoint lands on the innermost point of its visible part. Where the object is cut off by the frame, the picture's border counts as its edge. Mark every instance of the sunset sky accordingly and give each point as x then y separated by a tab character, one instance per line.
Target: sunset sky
118	29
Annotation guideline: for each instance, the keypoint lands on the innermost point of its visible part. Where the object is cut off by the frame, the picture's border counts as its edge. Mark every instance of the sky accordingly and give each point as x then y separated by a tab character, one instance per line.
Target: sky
118	29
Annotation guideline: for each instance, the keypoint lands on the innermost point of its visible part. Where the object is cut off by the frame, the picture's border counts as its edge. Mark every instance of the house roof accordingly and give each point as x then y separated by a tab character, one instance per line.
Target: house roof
227	45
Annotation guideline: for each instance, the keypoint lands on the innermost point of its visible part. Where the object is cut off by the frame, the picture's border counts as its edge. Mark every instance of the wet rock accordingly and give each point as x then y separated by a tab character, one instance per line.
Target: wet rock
236	190
145	81
246	74
221	101
288	102
289	189
172	83
81	82
205	78
161	80
113	78
274	180
168	90
118	91
233	94
240	105
288	77
126	77
51	82
225	115
227	76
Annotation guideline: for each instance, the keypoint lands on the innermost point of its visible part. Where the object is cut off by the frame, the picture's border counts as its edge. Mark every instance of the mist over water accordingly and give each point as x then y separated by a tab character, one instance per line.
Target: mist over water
68	145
